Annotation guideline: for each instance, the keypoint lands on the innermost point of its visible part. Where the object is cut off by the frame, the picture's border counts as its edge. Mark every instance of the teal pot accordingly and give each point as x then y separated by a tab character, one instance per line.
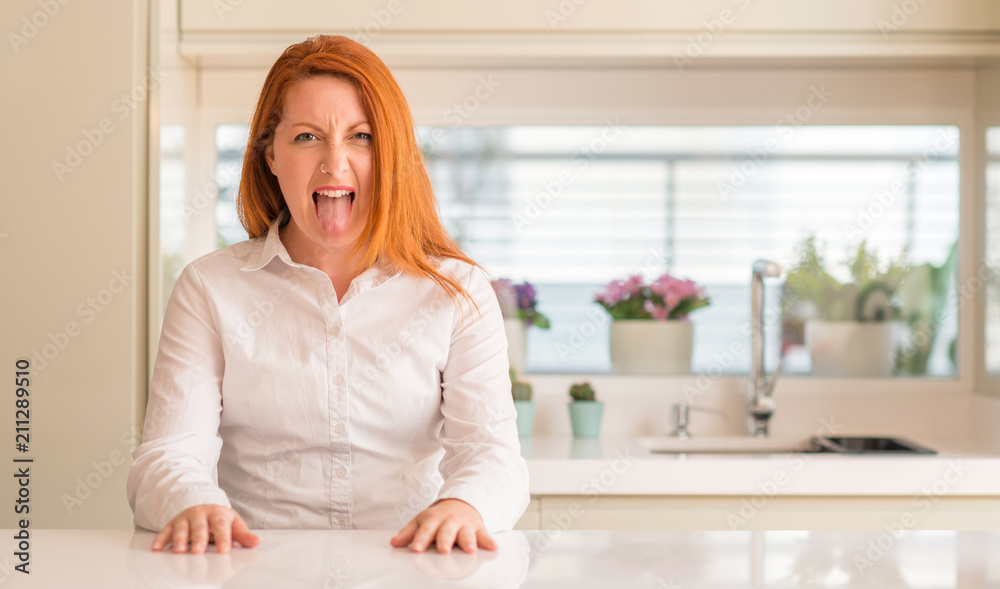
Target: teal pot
525	418
585	417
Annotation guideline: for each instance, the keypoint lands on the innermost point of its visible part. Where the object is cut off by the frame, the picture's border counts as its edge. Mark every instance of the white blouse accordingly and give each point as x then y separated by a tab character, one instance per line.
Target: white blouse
319	414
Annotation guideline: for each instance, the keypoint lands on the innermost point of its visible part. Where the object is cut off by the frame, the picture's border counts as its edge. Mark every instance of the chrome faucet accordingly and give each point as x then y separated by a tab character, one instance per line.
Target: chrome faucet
681	416
760	403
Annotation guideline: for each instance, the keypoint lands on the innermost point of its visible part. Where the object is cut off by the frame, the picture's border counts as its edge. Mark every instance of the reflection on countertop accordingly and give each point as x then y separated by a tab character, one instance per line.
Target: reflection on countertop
550	558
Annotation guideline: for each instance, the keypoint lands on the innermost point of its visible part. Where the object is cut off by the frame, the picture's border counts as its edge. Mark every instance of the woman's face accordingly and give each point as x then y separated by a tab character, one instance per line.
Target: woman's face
322	156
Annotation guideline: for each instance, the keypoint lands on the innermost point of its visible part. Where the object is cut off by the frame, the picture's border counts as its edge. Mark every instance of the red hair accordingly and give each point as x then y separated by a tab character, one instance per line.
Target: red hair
403	225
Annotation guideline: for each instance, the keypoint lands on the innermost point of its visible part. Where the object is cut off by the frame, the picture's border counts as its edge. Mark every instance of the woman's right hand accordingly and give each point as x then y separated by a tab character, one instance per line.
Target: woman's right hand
201	524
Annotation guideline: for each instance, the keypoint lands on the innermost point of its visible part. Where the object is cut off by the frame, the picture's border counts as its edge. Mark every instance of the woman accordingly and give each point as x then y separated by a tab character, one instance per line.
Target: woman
345	367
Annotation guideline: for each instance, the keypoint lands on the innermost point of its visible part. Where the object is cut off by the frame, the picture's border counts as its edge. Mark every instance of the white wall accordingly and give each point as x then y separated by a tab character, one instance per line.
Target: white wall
62	241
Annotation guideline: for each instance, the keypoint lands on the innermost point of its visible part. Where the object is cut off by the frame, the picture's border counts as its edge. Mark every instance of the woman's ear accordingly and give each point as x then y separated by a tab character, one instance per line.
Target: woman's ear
269	157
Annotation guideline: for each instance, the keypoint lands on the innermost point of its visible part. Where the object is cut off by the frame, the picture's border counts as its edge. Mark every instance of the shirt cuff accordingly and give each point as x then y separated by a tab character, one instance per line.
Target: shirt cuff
189	497
481	501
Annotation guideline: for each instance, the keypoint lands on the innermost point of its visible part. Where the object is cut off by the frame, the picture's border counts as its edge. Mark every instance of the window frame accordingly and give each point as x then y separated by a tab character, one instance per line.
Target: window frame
200	162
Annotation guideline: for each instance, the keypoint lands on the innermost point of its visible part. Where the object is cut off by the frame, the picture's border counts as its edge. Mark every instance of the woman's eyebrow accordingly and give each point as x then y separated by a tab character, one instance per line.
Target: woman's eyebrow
318	128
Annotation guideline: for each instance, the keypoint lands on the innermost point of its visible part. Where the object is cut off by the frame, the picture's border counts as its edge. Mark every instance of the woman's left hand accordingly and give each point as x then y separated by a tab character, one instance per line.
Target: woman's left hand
446	522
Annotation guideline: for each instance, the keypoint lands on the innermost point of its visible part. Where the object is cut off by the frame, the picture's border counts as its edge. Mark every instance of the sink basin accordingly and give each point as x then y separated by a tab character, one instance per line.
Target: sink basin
726	445
782	445
868	445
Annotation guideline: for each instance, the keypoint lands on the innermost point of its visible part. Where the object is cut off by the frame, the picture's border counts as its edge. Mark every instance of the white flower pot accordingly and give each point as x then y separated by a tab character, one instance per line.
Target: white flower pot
516	336
851	348
648	346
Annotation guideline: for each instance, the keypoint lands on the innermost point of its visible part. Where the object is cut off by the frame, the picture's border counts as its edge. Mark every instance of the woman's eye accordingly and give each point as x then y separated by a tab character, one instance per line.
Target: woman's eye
304	137
364	136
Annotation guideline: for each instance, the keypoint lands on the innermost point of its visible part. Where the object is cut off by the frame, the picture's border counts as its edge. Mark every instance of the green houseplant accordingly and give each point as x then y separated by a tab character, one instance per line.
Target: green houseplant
850	328
585	411
521	391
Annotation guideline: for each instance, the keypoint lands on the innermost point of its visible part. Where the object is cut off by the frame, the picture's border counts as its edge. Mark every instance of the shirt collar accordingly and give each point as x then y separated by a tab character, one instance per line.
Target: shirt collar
268	247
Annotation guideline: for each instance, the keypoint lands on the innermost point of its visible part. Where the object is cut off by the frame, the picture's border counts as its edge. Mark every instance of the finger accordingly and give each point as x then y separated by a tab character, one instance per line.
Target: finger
161	539
221	527
405	535
467	539
180	536
425	533
446	535
485	540
242	533
199	534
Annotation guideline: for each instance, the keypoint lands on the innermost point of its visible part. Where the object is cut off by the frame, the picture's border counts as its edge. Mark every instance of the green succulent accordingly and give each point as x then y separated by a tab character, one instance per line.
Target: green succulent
520	390
582	392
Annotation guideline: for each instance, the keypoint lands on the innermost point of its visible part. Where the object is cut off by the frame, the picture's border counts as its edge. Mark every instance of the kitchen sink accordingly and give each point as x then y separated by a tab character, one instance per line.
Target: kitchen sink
782	445
868	445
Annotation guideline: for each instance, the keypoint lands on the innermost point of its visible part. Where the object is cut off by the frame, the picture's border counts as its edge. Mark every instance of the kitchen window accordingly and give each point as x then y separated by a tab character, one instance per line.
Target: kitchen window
570	207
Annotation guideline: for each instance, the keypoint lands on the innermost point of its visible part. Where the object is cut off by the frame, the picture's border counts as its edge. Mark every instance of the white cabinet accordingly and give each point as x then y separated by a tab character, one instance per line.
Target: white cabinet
569	512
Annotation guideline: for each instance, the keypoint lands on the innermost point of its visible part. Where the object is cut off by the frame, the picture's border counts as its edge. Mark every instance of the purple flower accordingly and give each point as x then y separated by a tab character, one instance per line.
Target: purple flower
525	294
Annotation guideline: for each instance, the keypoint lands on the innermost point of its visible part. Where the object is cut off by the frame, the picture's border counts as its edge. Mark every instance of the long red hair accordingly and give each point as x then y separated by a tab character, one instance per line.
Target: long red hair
403	225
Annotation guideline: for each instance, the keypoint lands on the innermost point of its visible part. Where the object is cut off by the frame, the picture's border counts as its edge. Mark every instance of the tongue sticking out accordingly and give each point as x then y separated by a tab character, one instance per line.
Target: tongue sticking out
333	212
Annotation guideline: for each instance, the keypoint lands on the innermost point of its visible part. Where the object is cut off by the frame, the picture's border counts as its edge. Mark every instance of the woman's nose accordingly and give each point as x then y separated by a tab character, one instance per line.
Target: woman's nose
336	161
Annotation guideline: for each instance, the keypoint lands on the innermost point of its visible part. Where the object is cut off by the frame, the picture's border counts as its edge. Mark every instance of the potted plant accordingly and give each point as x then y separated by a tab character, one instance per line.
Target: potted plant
650	332
518	304
850	329
585	411
521	391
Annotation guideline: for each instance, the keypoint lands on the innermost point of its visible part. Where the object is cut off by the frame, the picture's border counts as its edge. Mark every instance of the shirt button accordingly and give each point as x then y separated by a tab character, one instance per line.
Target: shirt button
334	331
338	379
341	471
342	520
340	428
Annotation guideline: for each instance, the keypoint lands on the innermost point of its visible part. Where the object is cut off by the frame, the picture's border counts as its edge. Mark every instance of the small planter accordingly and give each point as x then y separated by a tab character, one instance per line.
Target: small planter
851	348
525	418
585	418
647	346
516	343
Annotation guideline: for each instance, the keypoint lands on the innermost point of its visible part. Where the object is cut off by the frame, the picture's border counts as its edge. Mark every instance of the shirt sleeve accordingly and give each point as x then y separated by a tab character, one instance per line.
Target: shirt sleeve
482	463
172	469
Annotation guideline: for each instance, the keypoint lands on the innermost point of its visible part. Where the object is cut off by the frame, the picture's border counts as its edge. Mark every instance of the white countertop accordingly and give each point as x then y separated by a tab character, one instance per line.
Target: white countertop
615	465
109	559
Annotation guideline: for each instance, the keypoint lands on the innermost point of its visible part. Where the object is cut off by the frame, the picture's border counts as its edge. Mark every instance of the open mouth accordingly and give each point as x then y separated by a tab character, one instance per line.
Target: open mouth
331	194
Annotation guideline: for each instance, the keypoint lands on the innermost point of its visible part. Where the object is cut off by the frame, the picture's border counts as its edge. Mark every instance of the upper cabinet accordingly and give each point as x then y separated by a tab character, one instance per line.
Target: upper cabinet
520	31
